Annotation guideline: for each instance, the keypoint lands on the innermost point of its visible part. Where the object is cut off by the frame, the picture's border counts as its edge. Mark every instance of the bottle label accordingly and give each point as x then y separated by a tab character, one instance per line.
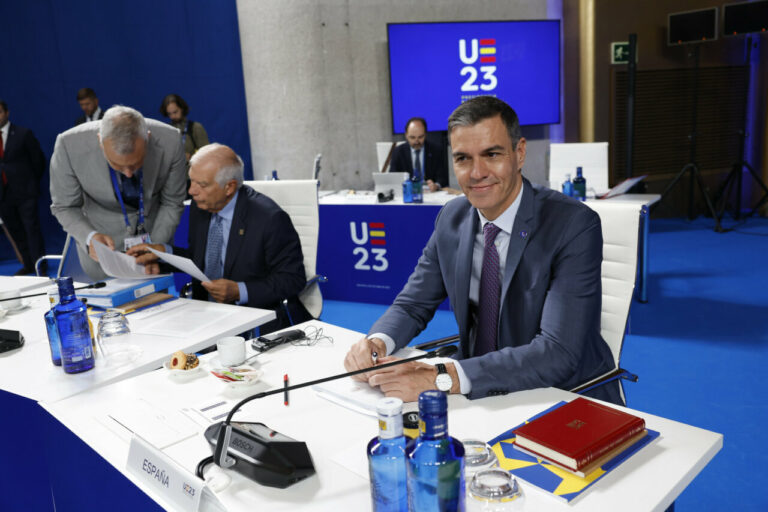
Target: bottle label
390	426
435	426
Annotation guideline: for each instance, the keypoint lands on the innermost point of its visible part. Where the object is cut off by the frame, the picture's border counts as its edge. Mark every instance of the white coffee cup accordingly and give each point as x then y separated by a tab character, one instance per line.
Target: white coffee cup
231	350
12	303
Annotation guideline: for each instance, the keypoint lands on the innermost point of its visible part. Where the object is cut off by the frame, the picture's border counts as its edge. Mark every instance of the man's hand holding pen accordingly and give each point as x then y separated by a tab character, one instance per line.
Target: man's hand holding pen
361	355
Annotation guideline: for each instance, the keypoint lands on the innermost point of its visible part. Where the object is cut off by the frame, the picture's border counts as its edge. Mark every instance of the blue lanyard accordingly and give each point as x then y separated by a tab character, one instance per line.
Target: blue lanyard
116	186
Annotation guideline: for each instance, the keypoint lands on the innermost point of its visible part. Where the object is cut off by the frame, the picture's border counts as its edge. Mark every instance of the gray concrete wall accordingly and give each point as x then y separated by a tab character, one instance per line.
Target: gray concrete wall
317	80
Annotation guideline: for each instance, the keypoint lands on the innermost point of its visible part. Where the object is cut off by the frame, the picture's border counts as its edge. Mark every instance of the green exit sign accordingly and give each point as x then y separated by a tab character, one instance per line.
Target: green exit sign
620	52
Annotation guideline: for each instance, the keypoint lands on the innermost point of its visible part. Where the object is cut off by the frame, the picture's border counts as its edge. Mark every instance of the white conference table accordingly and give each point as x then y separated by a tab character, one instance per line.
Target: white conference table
28	371
337	436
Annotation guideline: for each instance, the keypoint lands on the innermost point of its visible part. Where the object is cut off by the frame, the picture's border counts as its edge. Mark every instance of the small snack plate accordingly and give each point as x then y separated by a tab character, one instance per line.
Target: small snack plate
182	375
237	376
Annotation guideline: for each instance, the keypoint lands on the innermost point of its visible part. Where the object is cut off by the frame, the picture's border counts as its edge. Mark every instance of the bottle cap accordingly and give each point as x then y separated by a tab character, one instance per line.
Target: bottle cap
65	286
389	406
432	402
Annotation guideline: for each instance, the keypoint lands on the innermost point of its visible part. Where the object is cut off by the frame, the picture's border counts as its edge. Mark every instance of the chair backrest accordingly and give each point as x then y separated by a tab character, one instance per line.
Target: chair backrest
592	157
299	200
382	151
70	266
621	231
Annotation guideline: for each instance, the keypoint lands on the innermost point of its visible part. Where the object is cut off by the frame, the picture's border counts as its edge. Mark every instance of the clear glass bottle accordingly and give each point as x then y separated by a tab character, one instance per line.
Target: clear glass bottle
50	328
579	186
435	460
386	459
407	191
74	333
568	186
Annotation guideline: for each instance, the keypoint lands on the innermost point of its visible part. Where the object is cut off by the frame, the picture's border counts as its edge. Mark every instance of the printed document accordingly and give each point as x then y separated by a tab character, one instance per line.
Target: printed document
118	264
186	265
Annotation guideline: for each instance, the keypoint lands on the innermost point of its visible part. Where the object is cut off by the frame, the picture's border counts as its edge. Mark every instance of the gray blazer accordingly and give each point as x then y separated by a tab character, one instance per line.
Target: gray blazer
549	323
83	200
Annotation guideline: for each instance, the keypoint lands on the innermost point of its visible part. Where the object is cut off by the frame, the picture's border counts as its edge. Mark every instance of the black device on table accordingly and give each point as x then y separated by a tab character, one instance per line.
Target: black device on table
268	341
10	340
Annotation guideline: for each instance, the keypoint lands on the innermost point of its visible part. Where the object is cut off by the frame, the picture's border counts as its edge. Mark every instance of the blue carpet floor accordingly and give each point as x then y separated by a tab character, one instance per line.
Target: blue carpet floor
700	347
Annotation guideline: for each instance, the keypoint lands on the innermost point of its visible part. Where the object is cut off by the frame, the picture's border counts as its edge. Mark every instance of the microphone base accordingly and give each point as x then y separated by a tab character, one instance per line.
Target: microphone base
264	455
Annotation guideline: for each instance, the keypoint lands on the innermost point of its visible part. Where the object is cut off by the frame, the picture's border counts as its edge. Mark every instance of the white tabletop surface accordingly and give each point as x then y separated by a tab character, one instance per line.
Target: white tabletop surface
370	197
29	372
638	199
337	436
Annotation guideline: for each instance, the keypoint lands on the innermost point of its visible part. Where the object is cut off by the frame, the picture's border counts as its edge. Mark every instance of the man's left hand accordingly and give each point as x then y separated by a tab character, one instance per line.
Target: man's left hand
433	186
405	381
222	290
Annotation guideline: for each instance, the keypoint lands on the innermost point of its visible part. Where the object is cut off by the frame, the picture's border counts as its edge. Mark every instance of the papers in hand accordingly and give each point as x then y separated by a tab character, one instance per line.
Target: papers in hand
184	264
117	264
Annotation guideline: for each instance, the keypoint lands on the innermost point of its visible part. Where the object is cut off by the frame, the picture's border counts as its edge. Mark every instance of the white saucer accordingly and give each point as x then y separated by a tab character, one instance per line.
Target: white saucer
183	375
24	305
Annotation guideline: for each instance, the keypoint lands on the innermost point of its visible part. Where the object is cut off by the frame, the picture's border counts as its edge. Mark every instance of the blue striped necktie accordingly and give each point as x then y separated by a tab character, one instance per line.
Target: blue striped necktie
213	268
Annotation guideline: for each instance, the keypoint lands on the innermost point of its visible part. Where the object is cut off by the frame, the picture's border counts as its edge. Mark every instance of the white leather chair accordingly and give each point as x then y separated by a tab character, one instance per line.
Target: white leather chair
299	199
69	263
621	232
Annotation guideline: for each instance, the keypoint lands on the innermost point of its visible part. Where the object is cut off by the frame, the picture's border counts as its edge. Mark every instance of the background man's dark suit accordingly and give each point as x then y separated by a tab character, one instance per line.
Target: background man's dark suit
435	162
81	119
263	251
22	166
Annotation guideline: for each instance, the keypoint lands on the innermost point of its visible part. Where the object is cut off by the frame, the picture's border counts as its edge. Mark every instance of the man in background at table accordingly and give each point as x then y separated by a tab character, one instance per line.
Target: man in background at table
22	165
420	156
89	103
241	239
521	266
116	183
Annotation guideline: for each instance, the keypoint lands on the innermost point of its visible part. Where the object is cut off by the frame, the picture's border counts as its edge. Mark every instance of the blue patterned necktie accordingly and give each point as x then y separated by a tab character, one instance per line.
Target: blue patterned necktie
213	249
490	294
417	166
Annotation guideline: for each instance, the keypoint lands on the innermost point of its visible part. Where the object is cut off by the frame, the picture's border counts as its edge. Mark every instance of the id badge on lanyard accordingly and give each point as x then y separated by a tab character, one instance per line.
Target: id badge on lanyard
139	235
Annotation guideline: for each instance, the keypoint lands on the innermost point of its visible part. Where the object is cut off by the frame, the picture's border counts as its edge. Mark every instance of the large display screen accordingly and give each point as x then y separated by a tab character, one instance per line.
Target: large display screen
434	67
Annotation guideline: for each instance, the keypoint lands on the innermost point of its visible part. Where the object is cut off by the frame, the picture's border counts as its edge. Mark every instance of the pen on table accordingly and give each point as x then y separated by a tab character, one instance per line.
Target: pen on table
285	385
375	357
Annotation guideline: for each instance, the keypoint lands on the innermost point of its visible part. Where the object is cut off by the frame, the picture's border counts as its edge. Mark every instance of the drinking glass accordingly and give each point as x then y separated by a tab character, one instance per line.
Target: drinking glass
494	490
111	335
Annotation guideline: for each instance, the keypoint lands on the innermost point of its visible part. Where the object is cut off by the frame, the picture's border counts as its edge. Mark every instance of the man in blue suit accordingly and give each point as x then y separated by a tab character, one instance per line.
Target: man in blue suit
521	267
241	239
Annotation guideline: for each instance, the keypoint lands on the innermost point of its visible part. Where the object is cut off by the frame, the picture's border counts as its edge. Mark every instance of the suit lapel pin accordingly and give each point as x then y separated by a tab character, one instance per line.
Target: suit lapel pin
241	232
523	234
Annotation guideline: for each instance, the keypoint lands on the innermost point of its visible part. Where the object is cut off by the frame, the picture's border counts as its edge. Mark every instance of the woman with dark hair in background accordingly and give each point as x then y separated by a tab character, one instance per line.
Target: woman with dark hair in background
193	135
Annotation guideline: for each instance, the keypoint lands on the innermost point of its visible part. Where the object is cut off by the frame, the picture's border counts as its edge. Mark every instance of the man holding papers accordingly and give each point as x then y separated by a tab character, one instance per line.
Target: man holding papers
521	267
114	182
243	241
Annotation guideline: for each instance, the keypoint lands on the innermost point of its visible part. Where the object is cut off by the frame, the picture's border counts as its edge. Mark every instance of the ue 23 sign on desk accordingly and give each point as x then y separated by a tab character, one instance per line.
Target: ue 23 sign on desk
373	258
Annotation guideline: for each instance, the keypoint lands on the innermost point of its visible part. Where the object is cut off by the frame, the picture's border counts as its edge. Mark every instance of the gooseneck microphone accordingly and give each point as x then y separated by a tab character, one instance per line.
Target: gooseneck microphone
100	284
269	457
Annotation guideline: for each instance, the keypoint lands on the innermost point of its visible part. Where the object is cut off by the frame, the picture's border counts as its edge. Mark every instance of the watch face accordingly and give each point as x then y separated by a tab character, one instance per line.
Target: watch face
444	382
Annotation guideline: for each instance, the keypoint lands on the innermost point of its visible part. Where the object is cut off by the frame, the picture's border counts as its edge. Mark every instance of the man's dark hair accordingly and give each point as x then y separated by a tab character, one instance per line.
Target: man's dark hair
416	120
4	105
85	93
481	108
178	100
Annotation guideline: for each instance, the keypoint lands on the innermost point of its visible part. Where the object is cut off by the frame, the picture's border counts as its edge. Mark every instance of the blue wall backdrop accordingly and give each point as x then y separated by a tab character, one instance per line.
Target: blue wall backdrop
130	52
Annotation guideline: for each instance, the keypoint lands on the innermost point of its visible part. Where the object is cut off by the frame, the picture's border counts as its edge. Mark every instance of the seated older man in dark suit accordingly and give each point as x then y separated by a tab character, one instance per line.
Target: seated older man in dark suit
241	239
521	267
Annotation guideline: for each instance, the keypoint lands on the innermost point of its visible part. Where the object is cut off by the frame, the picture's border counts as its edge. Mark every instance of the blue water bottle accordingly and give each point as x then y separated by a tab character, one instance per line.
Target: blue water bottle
74	333
407	191
417	186
579	186
568	186
435	460
386	459
50	327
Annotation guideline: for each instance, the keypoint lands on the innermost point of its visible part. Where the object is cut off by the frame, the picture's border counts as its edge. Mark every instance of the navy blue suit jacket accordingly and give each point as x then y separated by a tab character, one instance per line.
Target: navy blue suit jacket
23	163
263	251
549	323
435	162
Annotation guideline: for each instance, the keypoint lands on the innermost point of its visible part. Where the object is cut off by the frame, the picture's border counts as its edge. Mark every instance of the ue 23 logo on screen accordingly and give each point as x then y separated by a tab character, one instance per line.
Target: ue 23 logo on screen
484	51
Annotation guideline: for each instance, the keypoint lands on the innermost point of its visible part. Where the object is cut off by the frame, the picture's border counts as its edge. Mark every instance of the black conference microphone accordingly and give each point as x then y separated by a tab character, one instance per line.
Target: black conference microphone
100	284
269	457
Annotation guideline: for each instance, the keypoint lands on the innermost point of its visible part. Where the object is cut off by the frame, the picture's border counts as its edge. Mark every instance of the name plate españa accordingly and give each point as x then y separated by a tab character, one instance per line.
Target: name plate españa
164	476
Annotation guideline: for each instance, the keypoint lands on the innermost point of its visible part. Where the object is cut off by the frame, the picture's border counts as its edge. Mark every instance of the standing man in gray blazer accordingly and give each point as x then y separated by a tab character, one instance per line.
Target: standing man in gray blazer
118	181
521	267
